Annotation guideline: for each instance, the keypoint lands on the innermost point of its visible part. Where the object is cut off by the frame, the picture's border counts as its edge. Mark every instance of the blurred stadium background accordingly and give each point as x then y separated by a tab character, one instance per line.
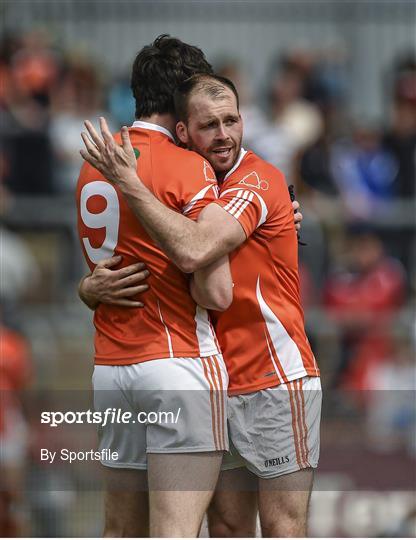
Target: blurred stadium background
328	95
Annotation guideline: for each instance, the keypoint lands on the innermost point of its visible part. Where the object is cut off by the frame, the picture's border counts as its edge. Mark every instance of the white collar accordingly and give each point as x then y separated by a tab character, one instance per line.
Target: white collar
236	164
153	127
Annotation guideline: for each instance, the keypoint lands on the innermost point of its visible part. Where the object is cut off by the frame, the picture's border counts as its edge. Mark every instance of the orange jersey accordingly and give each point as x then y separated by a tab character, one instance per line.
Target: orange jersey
262	333
170	324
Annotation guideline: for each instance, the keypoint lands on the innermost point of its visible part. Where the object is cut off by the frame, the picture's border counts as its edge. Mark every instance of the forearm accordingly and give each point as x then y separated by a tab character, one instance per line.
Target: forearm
90	302
190	245
212	287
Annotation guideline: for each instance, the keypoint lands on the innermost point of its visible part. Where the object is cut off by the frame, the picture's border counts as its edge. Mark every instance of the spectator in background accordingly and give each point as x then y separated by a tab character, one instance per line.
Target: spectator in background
29	69
316	178
35	68
9	44
292	122
370	172
327	88
15	374
364	172
19	269
368	167
400	136
324	88
400	140
363	297
391	415
318	190
78	95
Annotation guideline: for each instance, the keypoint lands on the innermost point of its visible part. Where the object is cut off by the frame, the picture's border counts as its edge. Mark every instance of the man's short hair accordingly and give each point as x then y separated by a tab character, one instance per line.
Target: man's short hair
212	85
157	71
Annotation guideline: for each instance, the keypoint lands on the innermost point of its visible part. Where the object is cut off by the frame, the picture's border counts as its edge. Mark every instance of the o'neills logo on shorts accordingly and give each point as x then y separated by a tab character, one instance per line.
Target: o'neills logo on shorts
276	461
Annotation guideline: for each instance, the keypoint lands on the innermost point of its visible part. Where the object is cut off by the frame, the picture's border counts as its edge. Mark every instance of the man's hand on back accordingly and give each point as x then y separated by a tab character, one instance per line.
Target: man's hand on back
298	215
116	287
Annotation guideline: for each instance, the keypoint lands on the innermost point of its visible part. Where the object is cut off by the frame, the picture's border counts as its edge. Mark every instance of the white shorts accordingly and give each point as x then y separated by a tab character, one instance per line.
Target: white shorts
176	405
275	431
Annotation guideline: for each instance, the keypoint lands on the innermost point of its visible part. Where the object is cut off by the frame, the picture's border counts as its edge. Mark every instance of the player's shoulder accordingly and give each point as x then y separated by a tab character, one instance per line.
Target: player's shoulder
256	173
264	167
188	156
191	165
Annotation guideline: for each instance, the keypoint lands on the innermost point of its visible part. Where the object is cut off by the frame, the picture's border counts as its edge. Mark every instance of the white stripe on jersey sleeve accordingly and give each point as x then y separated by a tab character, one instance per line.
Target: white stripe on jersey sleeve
236	206
234	200
240	202
237	202
200	195
238	198
242	208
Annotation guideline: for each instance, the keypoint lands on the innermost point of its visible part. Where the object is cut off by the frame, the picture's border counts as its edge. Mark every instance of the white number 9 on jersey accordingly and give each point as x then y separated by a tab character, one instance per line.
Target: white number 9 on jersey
109	219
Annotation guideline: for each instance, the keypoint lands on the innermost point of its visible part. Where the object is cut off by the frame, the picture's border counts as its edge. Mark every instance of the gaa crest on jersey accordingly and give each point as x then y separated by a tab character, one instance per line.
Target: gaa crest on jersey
254	180
209	173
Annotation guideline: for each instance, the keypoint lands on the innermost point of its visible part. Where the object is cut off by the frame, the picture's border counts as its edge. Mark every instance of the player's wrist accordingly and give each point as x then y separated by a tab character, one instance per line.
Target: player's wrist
136	193
130	183
85	294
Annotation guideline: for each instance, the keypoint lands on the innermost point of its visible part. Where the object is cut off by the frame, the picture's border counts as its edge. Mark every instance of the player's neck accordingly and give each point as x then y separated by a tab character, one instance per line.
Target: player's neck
165	120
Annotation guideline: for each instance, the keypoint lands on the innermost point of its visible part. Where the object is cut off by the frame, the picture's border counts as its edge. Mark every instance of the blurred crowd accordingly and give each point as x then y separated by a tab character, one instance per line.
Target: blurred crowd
354	177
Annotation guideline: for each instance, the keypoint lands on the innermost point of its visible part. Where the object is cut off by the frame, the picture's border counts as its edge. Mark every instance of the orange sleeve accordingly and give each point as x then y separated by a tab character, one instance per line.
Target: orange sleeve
253	200
245	205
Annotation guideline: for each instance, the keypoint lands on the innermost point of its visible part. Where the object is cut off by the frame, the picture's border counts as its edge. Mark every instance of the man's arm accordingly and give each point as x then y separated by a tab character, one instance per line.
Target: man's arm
115	287
211	287
190	245
84	293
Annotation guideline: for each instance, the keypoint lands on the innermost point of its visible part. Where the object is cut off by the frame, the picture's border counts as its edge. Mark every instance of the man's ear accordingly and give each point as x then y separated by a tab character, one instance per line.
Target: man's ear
182	132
